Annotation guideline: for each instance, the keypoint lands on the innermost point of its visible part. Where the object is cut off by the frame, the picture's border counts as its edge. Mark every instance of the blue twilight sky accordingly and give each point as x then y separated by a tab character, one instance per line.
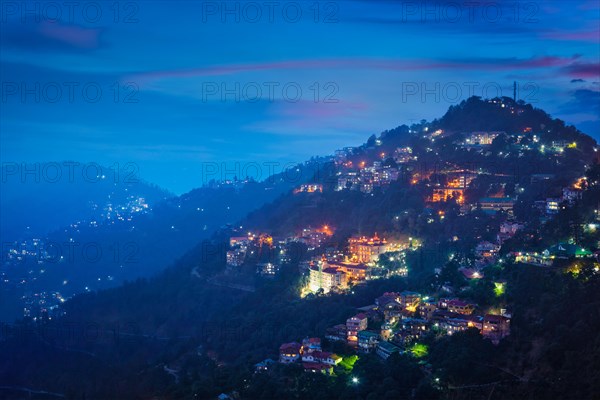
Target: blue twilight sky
172	86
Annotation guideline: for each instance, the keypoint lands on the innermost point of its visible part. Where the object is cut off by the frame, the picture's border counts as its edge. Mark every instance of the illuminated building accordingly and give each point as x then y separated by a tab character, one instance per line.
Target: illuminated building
461	180
354	271
367	250
426	309
337	333
322	357
386	331
559	145
236	257
412	329
547	257
403	155
238	240
567	250
309	188
487	250
354	325
454	188
267	269
349	180
388	175
460	307
366	187
552	206
327	278
311	344
481	138
367	341
265	239
410	300
445	194
314	238
495	327
493	204
533	258
290	352
318	367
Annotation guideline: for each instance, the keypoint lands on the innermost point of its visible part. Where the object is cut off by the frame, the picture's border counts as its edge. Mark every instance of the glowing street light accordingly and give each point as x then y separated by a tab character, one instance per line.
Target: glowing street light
354	380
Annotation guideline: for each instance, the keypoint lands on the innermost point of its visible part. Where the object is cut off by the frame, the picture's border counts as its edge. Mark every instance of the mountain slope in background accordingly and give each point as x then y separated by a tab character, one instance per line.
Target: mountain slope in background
39	198
119	235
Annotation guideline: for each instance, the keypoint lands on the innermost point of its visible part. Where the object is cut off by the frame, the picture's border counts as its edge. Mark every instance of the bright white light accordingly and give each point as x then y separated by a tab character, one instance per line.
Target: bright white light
354	380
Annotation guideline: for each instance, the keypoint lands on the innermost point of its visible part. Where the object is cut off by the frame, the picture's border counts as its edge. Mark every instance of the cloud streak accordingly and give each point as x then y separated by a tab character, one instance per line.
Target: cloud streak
583	70
50	37
494	64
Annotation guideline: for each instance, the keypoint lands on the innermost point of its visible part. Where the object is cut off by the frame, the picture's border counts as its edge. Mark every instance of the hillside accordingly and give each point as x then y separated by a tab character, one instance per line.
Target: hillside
122	236
39	198
189	333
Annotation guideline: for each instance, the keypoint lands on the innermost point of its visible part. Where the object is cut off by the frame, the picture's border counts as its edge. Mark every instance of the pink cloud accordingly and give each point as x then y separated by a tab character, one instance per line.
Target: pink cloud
583	36
83	38
507	64
311	118
583	70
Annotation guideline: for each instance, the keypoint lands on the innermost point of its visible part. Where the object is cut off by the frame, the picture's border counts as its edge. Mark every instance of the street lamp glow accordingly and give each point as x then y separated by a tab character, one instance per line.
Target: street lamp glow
355	380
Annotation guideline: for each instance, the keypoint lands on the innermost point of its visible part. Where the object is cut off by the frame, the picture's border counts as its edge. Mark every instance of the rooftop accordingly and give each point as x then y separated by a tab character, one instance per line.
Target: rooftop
388	347
496	200
293	347
316	366
367	334
321	354
495	318
568	249
458	303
